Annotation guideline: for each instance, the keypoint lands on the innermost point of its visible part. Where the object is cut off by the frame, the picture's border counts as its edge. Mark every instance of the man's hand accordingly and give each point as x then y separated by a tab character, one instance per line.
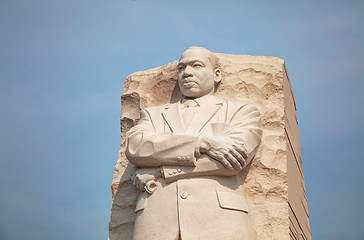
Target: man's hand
143	175
227	151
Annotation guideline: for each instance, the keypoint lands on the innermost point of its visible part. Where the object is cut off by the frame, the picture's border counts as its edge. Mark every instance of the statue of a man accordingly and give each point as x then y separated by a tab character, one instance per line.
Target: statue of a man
187	156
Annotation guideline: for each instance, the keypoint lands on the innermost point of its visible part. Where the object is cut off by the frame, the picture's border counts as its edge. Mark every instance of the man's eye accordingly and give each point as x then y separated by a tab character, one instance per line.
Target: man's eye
180	67
197	65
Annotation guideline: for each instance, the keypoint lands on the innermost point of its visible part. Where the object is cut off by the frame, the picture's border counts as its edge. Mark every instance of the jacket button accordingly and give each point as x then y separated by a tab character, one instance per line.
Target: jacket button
184	195
170	172
174	171
179	170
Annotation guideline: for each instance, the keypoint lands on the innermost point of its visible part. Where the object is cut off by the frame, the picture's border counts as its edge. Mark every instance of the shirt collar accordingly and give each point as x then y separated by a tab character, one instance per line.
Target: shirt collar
204	100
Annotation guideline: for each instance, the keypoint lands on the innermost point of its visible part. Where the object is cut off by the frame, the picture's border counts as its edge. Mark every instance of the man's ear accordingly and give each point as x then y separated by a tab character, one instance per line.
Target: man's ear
217	73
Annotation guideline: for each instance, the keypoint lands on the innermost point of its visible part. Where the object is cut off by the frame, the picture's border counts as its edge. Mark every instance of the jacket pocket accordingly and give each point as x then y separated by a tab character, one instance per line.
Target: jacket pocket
231	200
141	202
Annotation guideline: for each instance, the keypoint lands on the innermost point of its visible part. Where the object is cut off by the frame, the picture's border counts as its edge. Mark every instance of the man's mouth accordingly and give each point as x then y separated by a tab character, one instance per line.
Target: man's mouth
188	84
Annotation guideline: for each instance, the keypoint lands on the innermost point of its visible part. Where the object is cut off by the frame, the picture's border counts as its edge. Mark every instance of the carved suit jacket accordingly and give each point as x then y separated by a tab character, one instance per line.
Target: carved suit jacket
195	188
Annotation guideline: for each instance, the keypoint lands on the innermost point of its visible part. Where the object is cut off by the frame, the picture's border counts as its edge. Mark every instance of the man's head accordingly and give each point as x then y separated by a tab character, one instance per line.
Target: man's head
198	72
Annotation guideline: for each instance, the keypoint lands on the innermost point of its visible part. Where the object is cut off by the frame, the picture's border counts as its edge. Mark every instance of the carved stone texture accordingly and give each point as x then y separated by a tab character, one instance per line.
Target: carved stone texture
274	185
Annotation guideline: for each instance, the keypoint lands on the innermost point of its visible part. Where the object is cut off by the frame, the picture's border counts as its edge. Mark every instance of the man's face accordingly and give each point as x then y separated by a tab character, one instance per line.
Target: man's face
196	77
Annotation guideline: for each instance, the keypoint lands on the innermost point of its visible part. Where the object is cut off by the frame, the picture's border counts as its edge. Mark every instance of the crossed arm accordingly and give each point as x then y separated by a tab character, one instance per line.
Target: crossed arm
232	149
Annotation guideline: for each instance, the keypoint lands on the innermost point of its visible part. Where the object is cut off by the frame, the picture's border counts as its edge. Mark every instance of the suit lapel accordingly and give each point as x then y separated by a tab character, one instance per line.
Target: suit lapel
172	116
202	116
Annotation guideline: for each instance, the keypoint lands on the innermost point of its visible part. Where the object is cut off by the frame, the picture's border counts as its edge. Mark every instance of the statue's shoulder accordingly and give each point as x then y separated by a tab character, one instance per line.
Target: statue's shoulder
233	104
159	107
155	111
152	109
240	108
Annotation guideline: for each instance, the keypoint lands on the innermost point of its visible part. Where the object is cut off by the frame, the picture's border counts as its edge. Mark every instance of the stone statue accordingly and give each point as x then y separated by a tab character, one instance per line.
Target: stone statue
188	155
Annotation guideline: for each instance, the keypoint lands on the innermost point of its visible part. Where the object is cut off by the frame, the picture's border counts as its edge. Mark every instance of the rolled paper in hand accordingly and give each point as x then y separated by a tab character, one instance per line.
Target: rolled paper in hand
151	186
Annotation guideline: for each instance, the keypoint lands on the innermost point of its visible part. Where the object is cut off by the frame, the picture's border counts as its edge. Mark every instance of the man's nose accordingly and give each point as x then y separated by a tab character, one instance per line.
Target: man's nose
187	72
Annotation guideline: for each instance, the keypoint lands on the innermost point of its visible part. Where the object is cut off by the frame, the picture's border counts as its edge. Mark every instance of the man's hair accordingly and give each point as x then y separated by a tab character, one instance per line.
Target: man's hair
214	60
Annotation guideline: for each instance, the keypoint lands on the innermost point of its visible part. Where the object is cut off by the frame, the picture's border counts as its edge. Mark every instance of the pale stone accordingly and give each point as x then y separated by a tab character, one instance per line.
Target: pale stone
274	186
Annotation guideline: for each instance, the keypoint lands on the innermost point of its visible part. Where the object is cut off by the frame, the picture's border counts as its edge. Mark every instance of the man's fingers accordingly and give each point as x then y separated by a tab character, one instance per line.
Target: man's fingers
141	186
226	163
238	156
140	179
240	149
233	161
137	183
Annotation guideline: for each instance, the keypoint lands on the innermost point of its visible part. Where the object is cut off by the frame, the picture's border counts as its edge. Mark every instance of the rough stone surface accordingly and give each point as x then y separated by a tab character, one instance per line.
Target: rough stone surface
275	203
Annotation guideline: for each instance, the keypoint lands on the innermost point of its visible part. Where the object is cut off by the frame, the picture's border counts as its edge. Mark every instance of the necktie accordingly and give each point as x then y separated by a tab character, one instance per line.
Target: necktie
189	111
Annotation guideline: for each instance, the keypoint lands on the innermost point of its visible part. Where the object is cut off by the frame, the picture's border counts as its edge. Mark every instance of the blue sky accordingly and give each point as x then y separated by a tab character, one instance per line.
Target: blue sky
63	66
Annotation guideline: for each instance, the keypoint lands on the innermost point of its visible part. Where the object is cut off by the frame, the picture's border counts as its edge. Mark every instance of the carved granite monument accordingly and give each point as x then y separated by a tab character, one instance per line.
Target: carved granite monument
190	131
192	150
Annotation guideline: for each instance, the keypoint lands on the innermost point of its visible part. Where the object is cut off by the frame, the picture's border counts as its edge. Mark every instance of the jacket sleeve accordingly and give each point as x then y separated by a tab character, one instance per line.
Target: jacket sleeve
147	148
243	125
